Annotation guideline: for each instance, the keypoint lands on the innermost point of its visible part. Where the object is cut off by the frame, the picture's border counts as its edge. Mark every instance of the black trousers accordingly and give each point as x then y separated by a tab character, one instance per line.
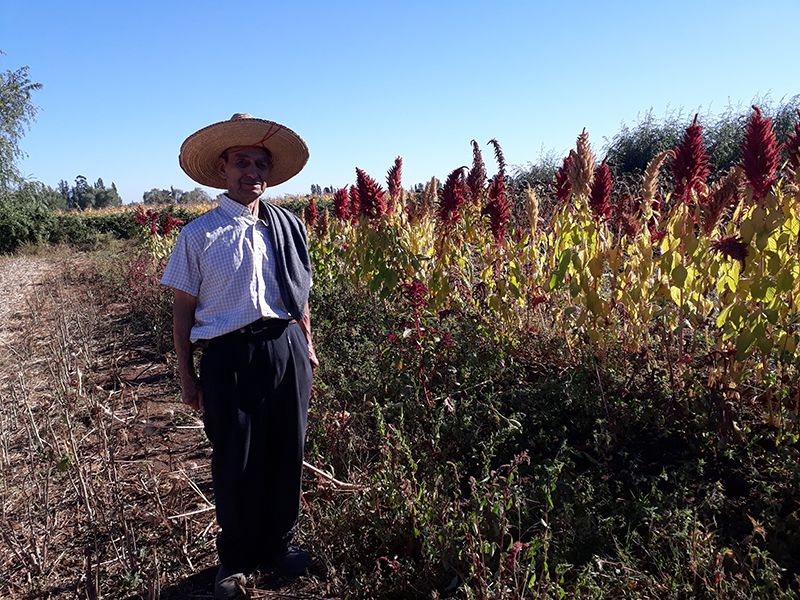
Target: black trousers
256	388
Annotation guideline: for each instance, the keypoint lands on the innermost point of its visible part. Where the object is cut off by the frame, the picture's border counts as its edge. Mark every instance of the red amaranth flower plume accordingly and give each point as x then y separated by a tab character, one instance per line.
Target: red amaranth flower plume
626	216
393	179
355	203
153	216
476	178
732	247
723	195
323	220
417	293
169	224
498	209
515	551
563	185
371	196
452	197
690	165
600	193
793	146
760	153
311	213
498	154
341	208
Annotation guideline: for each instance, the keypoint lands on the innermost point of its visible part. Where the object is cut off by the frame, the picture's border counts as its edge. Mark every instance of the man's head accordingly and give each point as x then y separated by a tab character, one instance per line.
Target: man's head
207	155
246	171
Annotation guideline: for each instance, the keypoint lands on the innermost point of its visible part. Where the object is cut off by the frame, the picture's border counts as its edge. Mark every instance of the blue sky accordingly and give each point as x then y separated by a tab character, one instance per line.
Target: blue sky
363	82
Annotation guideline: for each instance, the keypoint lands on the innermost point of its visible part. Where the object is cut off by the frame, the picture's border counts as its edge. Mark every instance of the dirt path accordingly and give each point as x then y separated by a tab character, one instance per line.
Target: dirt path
19	276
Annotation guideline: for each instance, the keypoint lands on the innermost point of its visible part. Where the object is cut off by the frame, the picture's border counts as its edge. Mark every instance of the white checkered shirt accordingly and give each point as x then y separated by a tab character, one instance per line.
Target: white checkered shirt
225	259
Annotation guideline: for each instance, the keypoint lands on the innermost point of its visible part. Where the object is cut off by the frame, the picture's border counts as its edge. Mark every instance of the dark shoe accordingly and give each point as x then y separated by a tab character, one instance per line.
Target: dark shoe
291	562
229	585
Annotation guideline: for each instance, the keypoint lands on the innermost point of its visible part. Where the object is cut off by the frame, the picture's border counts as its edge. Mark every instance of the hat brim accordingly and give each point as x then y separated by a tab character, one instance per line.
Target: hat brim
201	150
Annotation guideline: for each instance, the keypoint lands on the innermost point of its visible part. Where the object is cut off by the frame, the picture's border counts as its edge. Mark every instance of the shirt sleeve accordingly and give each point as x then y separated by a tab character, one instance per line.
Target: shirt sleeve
183	269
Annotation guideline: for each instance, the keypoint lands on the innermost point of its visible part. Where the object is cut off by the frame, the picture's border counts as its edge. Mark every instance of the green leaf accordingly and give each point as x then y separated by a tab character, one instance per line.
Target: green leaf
763	288
558	276
722	318
679	276
785	281
593	303
765	344
762	239
743	343
774	263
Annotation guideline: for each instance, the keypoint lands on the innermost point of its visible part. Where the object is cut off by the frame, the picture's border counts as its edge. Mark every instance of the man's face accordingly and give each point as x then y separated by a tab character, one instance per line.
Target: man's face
245	172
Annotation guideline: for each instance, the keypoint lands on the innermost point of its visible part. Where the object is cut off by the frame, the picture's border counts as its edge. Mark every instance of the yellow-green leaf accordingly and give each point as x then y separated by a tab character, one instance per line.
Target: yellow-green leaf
743	343
679	276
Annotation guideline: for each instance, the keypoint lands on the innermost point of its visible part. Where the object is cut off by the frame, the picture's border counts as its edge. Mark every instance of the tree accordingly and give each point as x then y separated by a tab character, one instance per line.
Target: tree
63	189
156	196
36	193
83	196
16	113
196	196
106	197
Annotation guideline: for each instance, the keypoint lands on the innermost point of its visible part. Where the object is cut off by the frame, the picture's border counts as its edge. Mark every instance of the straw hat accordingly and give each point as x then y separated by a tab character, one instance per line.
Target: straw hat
201	150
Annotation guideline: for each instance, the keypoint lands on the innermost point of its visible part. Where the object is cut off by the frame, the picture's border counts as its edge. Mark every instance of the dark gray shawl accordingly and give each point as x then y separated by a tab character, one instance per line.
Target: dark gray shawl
288	236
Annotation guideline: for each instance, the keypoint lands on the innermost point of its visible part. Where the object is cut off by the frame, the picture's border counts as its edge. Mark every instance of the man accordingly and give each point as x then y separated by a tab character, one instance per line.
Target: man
241	275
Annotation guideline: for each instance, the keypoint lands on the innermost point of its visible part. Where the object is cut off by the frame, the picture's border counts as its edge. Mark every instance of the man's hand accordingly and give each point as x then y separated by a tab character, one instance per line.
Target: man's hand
191	393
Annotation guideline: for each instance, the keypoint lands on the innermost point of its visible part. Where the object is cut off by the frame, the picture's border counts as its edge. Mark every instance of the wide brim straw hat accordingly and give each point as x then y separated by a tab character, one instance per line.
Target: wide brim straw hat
201	150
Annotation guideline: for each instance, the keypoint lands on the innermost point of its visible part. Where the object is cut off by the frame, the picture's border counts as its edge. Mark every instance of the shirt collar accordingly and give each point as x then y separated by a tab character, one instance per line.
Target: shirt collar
234	209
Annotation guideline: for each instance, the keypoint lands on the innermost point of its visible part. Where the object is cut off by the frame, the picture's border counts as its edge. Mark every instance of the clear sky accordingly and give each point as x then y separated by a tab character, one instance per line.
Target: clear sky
362	82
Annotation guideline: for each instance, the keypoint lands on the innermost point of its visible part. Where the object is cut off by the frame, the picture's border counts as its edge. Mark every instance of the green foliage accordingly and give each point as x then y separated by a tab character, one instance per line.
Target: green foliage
23	223
632	148
16	113
84	196
36	192
31	215
175	196
517	467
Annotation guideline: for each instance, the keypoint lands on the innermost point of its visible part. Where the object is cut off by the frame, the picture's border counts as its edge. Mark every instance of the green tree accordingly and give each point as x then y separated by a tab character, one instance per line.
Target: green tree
82	194
63	189
16	113
39	194
106	197
157	196
195	196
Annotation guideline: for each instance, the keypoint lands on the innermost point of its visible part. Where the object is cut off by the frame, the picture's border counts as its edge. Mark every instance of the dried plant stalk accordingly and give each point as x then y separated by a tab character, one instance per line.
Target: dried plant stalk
532	209
650	183
581	171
